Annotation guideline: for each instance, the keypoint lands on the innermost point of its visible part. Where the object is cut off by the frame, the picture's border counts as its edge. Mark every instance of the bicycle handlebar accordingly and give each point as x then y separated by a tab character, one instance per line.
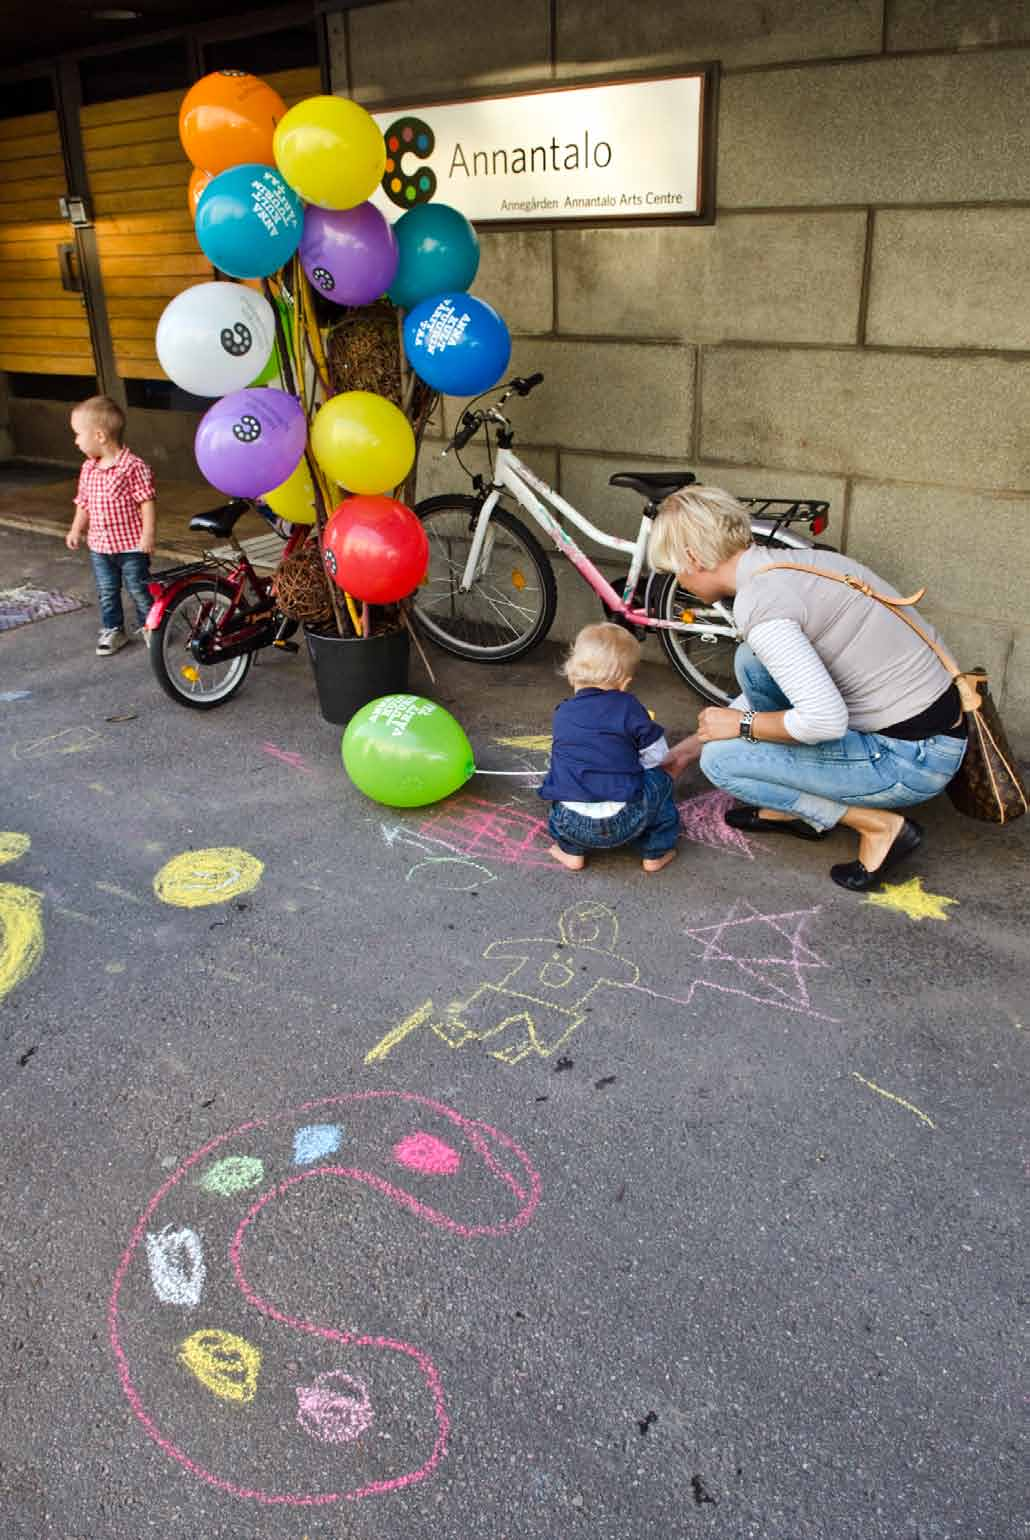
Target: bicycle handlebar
471	422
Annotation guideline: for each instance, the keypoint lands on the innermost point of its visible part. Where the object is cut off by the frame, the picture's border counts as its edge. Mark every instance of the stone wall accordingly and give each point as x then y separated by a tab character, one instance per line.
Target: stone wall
856	324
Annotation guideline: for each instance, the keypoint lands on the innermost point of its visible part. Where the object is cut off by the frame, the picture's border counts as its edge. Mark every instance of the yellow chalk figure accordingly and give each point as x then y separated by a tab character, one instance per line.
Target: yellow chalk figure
538	1004
226	1364
21	920
909	898
212	876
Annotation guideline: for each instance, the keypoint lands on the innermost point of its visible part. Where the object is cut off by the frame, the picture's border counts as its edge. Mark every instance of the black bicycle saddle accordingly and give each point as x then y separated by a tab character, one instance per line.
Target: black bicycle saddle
654	485
220	521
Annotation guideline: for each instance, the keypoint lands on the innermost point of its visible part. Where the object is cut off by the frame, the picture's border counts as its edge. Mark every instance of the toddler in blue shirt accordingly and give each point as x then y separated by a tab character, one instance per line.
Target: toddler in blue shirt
604	784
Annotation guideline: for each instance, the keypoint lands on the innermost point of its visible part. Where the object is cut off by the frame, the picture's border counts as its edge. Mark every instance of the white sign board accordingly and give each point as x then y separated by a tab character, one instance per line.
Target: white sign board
632	150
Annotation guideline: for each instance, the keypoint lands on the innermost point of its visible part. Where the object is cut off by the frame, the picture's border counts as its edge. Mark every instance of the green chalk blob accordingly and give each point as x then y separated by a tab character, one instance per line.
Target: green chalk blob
233	1174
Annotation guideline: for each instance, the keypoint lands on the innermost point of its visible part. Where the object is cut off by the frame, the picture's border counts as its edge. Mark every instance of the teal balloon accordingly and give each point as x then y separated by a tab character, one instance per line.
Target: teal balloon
406	751
437	250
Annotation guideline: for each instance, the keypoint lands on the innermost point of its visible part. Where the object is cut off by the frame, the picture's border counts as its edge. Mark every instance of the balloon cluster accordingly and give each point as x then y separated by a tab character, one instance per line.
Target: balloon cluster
272	186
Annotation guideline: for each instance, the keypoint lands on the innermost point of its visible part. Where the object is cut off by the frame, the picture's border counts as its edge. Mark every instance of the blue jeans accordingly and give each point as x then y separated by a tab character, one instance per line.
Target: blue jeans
109	569
820	781
650	822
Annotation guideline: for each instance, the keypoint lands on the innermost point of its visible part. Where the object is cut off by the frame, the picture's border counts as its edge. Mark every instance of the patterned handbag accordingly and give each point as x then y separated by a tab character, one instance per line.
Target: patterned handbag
987	785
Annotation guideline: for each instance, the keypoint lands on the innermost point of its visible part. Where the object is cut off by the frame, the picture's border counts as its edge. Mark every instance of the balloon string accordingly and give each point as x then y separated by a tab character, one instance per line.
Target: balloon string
508	772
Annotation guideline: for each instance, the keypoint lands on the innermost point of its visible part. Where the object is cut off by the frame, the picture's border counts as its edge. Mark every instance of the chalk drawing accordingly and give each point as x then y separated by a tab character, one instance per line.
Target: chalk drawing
71	740
176	1261
228	1365
213	876
557	980
288	757
236	1173
336	1409
909	1107
425	1152
314	1141
703	821
909	898
462	875
21	920
468	1181
480	829
13	845
535	742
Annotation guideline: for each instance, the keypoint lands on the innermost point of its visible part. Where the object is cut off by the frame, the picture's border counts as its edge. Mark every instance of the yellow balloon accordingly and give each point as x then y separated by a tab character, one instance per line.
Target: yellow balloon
330	151
363	442
295	498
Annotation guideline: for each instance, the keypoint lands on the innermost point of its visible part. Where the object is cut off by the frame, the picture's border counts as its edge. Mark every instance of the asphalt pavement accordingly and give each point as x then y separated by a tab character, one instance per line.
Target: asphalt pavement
367	1175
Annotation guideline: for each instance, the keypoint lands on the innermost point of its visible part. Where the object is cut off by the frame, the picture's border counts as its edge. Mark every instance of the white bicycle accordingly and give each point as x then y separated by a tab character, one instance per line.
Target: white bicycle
490	593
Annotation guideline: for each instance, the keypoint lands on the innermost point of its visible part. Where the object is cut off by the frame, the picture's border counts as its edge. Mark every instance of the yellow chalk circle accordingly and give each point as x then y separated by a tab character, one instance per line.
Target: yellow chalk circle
12	846
226	1364
21	934
212	876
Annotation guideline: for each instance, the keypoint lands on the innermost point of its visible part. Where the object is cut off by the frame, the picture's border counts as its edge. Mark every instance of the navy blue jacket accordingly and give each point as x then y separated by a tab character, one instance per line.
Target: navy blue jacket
598	736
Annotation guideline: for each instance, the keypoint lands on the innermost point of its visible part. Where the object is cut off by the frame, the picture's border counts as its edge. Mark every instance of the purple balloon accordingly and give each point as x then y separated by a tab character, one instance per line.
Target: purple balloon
251	441
349	255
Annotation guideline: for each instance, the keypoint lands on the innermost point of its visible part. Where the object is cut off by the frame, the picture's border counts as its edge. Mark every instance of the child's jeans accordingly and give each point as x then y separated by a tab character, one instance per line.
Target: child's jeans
110	568
650	822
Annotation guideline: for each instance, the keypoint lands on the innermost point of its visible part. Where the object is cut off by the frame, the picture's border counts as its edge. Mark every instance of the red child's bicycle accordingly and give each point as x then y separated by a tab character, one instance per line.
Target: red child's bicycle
210	617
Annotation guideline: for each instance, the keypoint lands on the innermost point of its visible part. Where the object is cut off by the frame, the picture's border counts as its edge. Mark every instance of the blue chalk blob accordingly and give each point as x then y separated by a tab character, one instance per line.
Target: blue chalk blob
314	1141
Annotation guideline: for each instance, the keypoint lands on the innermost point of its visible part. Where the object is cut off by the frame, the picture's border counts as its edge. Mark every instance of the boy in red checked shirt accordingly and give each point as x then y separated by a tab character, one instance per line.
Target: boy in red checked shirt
114	508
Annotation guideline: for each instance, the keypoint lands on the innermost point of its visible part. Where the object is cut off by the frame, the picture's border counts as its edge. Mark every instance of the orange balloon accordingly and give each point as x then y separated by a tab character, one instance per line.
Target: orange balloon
228	119
198	181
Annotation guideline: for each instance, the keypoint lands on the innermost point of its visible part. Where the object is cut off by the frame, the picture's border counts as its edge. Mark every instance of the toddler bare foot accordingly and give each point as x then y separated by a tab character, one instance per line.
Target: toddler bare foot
570	862
656	864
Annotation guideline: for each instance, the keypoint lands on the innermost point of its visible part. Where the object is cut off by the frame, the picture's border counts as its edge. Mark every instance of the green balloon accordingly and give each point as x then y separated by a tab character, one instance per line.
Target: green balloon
272	370
406	751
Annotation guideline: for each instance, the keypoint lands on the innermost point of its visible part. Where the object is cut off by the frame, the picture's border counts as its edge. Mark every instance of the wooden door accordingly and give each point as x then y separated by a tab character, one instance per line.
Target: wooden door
44	328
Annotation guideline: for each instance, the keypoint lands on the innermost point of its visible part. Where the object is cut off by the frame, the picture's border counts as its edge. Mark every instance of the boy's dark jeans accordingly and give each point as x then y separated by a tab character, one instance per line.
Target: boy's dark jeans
650	822
110	568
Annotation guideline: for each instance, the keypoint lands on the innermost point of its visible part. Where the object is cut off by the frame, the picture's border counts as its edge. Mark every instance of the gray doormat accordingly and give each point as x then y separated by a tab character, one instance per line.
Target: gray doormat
21	606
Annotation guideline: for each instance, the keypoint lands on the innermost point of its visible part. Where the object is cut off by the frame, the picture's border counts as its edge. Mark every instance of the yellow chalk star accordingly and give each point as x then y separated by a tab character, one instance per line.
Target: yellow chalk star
909	898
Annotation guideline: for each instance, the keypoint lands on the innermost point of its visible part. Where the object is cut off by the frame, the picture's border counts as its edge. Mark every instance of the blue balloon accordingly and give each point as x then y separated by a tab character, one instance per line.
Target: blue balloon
456	343
438	252
249	221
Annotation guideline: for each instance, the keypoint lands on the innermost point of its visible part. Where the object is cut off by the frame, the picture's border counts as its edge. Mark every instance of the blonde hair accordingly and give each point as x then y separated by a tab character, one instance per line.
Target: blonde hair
602	657
698	527
104	414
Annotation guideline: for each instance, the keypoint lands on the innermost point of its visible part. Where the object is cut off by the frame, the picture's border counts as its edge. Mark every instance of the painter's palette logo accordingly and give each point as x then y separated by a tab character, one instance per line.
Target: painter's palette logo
409	136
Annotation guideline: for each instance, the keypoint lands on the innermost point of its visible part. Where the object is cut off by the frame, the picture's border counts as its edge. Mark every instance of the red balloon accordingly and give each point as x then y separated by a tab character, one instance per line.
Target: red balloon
375	549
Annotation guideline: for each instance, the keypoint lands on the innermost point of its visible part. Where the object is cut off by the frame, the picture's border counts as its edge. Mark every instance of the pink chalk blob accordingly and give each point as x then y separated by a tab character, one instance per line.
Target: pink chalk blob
425	1152
336	1409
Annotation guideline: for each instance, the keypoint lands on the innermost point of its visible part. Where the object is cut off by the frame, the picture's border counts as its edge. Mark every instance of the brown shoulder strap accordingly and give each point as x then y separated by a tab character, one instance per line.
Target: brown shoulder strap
965	682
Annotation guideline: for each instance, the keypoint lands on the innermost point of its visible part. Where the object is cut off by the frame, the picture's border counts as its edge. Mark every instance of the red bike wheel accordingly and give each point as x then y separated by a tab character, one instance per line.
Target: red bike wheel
198	606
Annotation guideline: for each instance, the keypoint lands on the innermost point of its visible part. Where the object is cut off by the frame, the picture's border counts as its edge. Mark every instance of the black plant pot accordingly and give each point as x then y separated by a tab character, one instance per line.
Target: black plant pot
350	671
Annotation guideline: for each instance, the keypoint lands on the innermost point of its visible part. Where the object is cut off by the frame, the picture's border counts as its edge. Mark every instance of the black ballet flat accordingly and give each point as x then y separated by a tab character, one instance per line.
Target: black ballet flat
857	879
750	819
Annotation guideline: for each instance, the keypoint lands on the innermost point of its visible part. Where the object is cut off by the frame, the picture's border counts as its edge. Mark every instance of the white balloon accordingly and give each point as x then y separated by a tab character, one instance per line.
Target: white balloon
215	338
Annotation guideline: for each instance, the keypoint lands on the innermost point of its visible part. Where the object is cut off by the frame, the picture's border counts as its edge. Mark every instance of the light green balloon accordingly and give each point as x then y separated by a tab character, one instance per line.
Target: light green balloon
406	751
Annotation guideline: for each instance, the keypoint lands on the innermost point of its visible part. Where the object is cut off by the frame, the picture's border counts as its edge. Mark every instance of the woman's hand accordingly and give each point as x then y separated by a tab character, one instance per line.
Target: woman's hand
717	723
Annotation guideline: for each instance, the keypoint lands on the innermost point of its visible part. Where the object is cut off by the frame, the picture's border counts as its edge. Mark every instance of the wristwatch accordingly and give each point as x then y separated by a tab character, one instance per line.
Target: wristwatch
745	727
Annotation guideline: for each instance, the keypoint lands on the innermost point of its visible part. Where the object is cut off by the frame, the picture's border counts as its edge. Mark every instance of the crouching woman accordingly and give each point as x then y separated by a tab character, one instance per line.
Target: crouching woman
845	713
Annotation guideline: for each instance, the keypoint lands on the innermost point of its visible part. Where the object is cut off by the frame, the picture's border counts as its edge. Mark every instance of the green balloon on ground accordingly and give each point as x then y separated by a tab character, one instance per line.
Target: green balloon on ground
406	751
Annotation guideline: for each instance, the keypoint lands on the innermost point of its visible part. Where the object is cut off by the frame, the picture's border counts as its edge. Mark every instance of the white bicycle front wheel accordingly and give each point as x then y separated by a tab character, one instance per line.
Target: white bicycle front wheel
512	601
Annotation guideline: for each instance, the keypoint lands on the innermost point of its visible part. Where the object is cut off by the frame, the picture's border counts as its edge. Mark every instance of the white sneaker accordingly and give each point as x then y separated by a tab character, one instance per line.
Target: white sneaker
111	640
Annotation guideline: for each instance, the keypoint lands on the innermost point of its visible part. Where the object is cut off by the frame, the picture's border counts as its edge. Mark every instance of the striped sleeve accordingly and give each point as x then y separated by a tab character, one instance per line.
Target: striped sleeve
817	711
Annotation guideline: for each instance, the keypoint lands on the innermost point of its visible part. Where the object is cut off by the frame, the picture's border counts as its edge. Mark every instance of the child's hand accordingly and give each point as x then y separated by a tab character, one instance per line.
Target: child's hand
146	545
72	538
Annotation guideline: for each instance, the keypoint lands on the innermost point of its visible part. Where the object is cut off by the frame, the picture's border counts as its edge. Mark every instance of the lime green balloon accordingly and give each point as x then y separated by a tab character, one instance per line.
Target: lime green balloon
405	751
271	372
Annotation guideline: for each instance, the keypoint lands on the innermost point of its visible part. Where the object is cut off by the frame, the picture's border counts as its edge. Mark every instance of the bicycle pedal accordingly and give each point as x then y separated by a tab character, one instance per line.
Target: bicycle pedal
287	646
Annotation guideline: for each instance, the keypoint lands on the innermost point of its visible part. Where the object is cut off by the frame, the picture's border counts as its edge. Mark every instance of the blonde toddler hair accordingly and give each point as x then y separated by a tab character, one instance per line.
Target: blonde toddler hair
698	527
602	657
104	414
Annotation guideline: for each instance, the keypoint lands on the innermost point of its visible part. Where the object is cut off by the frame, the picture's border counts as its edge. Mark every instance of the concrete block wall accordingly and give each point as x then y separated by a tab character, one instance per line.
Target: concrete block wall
856	324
